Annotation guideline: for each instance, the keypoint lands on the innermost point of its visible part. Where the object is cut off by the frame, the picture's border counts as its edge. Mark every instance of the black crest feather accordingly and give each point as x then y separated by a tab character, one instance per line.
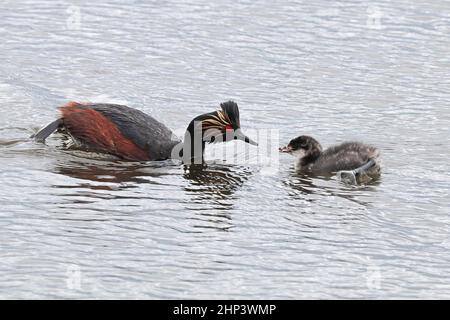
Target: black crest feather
231	109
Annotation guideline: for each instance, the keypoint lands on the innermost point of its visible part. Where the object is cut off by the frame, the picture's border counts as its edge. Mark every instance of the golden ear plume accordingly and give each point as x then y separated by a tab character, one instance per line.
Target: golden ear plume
218	120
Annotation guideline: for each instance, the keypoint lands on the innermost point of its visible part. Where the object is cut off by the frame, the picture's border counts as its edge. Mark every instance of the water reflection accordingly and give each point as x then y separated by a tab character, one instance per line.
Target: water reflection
211	189
13	134
306	185
11	142
122	175
215	182
346	80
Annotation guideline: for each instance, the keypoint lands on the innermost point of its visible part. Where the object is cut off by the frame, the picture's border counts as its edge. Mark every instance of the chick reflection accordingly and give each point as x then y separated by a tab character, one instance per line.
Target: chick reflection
309	186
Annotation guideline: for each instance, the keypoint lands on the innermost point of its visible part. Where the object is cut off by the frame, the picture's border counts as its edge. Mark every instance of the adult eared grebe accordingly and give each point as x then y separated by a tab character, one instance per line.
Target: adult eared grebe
133	135
352	161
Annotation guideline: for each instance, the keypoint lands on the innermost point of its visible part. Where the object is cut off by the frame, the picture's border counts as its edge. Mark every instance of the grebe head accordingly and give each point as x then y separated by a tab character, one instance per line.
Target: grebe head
224	125
218	126
303	148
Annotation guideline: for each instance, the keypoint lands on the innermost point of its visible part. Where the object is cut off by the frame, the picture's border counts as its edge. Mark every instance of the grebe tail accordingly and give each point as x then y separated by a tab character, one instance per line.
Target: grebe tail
45	132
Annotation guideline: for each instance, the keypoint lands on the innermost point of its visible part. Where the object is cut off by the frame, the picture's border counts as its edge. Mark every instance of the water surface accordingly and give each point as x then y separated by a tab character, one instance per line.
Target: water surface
75	225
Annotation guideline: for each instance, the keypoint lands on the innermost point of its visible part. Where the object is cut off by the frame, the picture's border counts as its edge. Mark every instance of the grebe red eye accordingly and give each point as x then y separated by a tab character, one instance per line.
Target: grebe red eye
228	128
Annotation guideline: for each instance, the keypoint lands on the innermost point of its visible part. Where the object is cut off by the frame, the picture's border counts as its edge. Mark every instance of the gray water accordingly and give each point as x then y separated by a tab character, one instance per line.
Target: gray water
77	225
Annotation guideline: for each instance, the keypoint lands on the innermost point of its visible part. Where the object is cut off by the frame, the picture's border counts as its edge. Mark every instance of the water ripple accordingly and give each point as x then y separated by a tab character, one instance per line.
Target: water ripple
338	71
